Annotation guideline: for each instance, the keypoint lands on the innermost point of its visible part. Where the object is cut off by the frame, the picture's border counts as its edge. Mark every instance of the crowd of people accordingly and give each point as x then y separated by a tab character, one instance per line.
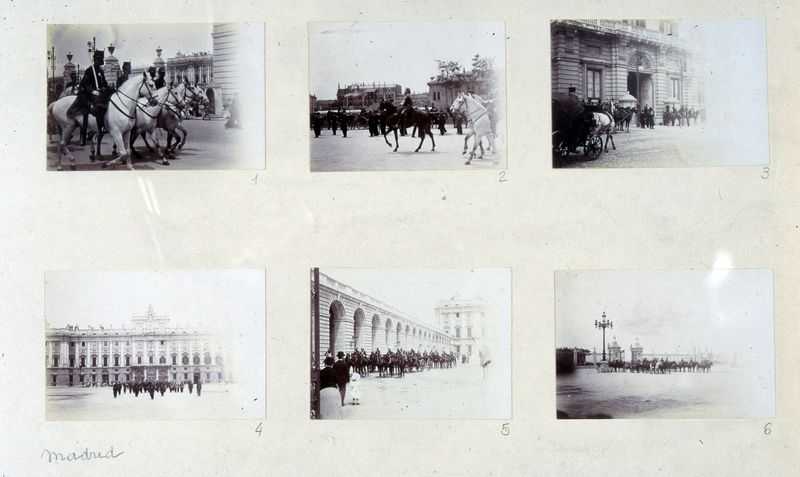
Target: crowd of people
155	387
340	379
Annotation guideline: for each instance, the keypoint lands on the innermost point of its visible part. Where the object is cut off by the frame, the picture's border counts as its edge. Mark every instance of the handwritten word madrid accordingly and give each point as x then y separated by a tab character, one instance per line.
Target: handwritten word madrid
53	456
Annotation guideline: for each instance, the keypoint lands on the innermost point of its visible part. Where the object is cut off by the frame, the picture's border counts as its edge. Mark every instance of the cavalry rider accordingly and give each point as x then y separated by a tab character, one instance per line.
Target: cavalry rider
126	73
89	93
72	87
405	111
161	81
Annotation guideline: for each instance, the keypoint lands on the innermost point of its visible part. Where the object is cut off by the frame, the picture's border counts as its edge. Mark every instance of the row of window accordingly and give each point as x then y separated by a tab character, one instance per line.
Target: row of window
161	360
105	377
594	85
105	343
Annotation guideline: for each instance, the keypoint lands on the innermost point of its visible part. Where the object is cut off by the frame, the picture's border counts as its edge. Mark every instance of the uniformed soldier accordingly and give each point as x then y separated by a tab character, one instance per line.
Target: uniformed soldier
126	73
161	81
405	111
343	120
72	86
89	90
317	121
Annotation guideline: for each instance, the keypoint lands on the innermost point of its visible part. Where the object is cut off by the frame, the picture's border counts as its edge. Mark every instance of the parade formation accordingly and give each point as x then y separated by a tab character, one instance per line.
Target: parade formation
448	107
155	387
161	104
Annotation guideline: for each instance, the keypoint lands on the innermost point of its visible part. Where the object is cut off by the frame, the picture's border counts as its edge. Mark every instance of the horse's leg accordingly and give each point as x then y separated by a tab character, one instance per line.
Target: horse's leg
396	141
120	141
63	147
433	148
613	146
385	132
184	133
159	151
421	138
135	134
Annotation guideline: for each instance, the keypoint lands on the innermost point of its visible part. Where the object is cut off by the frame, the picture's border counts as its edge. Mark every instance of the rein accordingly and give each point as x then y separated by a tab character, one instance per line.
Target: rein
132	114
466	106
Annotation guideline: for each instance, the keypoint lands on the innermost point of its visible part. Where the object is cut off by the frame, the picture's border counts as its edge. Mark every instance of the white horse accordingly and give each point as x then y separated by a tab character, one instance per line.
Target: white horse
477	120
603	123
167	115
119	118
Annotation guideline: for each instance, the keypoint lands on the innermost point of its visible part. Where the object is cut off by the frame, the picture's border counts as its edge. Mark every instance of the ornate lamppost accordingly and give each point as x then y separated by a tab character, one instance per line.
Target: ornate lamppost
603	324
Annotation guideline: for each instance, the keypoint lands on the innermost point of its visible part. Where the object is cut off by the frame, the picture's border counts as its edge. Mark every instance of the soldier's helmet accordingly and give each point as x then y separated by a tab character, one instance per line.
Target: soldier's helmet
152	71
126	66
98	55
408	91
161	71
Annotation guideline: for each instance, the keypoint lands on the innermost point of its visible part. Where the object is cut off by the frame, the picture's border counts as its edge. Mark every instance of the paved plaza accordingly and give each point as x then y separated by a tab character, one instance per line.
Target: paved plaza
217	401
723	392
209	145
455	393
702	144
360	152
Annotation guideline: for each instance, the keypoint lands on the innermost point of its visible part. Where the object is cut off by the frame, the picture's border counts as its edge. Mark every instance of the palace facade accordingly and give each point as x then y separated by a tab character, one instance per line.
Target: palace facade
654	61
150	350
463	318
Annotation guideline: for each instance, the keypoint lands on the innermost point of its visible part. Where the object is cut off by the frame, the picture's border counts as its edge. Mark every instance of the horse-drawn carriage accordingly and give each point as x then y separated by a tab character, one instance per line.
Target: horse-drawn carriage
573	127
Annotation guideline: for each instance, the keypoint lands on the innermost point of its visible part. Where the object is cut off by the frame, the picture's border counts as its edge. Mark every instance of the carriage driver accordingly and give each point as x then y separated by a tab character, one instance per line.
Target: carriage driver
91	86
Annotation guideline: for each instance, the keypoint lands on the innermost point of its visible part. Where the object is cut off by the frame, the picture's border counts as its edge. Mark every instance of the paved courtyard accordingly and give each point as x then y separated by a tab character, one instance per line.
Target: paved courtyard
209	145
217	401
723	392
360	152
702	144
455	393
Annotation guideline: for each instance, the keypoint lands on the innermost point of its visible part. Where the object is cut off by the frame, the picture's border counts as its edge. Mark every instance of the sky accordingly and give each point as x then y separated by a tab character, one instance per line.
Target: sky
134	43
727	311
416	291
396	52
734	67
188	297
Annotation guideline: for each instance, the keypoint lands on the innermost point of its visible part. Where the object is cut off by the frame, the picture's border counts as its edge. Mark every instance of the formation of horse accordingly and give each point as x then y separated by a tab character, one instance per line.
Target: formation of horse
469	106
135	108
397	363
661	366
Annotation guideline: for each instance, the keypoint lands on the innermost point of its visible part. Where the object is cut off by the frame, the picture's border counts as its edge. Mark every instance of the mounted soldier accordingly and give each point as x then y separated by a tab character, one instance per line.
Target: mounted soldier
126	73
405	111
92	93
160	81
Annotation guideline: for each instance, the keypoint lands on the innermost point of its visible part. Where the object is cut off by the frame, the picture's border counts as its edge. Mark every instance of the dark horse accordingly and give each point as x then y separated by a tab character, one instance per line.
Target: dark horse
419	119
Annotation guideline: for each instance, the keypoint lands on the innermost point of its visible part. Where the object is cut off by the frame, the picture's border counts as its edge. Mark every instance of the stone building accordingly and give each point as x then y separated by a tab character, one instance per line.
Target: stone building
463	318
367	95
655	61
443	91
150	350
350	319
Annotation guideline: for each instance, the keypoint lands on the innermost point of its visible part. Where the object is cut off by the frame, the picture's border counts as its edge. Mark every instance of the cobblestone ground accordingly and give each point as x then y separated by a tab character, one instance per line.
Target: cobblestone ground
455	393
360	152
703	144
209	145
723	392
217	401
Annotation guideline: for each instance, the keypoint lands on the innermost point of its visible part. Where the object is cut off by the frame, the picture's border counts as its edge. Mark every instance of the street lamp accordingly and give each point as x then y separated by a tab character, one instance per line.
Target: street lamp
603	324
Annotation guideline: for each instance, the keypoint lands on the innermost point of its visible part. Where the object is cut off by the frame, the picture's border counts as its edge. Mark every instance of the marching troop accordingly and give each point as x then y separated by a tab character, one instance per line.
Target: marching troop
661	366
155	387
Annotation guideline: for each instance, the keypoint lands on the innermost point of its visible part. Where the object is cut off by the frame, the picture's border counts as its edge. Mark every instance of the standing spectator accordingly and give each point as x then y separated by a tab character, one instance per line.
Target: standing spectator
355	388
329	397
342	371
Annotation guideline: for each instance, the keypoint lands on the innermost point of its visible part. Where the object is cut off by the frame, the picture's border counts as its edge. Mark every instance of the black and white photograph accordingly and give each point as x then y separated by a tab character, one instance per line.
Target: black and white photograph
659	93
391	96
410	343
155	96
161	345
664	344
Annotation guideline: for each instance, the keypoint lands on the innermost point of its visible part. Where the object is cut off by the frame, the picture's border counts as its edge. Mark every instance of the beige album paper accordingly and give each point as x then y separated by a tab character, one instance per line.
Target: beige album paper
414	238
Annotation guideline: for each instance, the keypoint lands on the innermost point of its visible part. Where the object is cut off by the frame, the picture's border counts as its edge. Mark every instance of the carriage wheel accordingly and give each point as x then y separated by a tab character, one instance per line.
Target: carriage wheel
593	147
